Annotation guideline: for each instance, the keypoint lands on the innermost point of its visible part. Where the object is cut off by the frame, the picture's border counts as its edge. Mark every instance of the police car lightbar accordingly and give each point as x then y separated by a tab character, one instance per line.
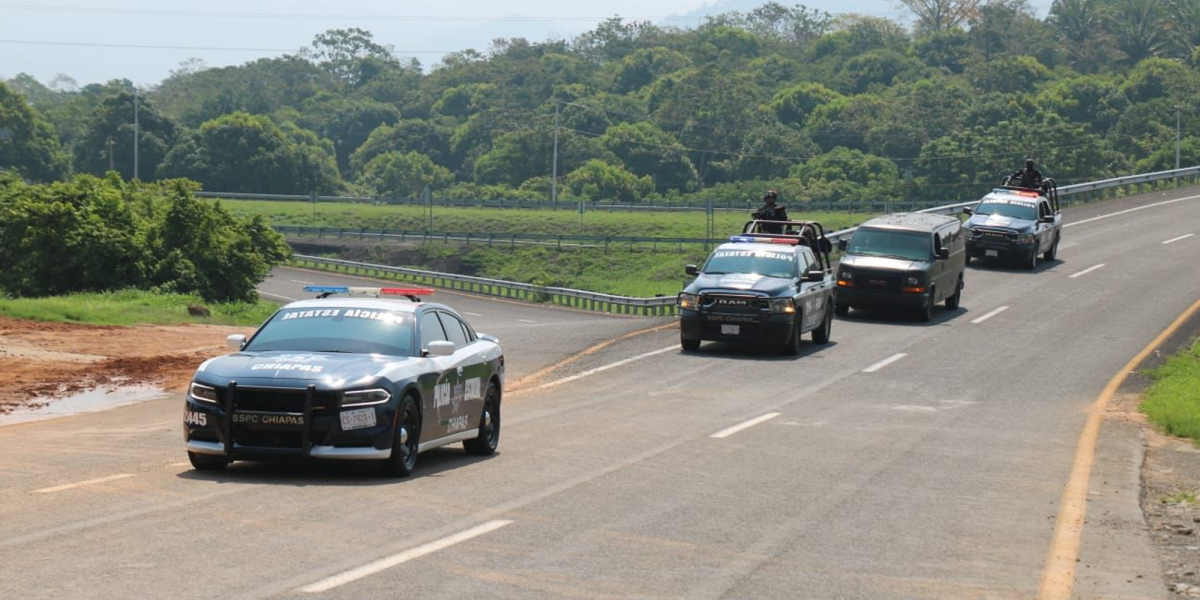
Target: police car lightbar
324	291
763	239
1018	191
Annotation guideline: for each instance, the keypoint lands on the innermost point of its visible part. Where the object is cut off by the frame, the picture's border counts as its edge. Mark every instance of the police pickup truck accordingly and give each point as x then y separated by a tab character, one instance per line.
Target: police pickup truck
765	288
1015	224
348	379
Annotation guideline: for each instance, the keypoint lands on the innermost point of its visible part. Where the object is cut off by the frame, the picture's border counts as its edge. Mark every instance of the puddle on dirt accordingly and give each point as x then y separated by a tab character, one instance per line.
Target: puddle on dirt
101	398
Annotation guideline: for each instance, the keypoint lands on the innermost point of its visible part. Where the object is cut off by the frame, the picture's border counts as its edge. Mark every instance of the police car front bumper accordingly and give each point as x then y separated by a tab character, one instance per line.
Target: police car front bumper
769	328
316	433
999	249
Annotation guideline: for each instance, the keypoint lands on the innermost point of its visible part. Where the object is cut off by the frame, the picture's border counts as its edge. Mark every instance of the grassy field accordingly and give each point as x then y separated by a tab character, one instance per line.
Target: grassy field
1173	401
132	307
494	220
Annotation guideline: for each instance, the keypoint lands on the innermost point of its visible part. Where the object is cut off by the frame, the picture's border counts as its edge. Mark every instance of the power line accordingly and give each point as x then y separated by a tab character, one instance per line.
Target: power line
204	48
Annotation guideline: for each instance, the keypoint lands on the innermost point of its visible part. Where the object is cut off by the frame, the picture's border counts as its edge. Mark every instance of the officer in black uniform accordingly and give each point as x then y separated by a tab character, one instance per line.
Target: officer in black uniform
770	211
1029	178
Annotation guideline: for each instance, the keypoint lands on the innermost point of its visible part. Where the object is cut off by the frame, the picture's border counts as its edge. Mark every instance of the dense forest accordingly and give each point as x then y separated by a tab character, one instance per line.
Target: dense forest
822	107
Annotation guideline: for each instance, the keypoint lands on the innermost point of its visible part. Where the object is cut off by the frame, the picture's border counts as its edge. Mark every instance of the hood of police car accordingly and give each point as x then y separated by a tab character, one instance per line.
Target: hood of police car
304	366
740	282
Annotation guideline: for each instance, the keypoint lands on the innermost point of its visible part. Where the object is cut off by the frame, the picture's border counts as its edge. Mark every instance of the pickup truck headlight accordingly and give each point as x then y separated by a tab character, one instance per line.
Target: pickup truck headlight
203	393
782	305
968	232
365	398
687	300
1024	238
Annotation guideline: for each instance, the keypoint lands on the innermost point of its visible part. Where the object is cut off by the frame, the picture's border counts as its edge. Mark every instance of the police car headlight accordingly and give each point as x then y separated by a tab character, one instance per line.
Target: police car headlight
687	300
365	398
1025	238
782	305
968	232
203	393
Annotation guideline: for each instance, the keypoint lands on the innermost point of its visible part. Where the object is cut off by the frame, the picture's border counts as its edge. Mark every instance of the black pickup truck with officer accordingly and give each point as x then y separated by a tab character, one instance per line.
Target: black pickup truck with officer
1015	224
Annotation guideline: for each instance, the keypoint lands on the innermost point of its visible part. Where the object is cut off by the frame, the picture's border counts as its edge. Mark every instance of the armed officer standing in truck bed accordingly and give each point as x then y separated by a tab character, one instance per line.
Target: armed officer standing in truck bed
770	211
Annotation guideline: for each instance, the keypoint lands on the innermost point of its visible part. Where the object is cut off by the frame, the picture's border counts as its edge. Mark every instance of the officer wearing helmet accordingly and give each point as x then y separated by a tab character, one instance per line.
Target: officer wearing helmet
1028	178
770	211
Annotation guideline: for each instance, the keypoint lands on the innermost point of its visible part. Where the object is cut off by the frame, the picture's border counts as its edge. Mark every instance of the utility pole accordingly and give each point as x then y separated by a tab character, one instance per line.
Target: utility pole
1178	116
112	164
136	131
554	168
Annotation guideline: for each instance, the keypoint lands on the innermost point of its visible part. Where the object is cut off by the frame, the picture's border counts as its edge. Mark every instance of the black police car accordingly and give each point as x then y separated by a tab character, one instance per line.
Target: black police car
903	260
359	379
762	288
1015	223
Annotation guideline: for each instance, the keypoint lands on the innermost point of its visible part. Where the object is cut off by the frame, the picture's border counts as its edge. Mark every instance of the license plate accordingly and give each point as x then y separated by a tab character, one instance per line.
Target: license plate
991	253
731	330
268	421
877	282
358	419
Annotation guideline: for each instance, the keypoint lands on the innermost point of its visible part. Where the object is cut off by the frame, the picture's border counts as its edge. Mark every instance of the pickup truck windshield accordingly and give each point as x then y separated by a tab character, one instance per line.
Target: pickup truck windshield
759	262
336	329
1027	212
904	245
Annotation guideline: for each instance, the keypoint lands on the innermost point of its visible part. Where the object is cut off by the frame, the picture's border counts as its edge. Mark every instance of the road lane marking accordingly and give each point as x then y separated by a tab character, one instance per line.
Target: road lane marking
71	486
398	559
619	363
276	296
989	315
1086	271
1058	578
525	321
471	314
1182	237
724	433
301	282
1129	211
883	363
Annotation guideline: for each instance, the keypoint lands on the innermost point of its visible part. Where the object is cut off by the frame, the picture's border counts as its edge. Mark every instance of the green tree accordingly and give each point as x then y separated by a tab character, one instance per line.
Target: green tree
351	55
427	136
646	150
107	143
793	105
1008	74
597	180
850	175
936	16
247	153
404	175
28	143
347	122
520	156
1139	28
641	68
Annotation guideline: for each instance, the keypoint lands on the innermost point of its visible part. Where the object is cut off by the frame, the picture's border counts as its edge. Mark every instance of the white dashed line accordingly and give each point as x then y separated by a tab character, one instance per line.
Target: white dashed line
525	321
724	433
883	363
71	486
619	363
1182	237
1086	271
276	296
990	315
398	559
471	314
1129	211
301	282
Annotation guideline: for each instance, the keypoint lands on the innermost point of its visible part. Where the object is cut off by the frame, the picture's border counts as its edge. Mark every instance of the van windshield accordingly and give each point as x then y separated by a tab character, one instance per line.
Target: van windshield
905	245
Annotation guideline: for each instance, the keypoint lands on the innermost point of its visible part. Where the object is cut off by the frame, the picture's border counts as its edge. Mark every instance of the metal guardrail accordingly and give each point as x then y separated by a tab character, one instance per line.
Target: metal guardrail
665	305
492	239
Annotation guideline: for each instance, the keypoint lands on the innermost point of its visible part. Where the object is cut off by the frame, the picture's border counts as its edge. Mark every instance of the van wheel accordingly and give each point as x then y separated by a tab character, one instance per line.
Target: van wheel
840	309
821	334
489	426
205	462
952	301
926	314
792	347
405	440
1052	253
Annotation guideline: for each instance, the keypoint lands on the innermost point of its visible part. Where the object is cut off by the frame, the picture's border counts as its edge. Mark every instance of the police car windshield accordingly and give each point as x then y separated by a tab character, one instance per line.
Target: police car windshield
759	262
336	329
1022	210
905	245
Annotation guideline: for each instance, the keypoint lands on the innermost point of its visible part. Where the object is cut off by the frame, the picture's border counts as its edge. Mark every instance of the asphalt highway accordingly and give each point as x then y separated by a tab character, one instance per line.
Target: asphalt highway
903	460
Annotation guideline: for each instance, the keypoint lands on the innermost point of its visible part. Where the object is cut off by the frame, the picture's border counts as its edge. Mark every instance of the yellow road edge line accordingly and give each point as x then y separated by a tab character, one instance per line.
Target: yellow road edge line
529	380
1058	576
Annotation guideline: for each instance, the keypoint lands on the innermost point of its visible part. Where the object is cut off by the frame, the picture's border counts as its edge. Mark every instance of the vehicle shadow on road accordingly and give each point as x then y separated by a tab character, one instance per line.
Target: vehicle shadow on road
297	473
905	318
1004	266
747	351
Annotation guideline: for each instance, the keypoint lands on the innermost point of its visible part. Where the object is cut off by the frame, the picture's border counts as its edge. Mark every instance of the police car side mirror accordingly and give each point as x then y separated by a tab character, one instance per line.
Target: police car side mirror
967	210
843	244
814	276
236	341
1048	220
691	270
440	348
943	253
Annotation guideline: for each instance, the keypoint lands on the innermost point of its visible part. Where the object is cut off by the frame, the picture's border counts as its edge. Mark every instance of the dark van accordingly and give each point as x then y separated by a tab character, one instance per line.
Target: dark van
903	260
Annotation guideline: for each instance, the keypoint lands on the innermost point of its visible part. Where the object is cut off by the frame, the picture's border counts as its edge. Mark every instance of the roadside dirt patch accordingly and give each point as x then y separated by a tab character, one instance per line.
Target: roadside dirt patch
43	361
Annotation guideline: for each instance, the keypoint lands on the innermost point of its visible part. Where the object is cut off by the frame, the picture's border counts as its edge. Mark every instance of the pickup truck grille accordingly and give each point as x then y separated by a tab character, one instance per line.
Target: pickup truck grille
725	303
995	235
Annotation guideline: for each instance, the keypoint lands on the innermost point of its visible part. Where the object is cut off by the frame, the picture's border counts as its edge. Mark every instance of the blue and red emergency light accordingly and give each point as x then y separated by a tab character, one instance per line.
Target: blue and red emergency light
1026	193
326	290
747	239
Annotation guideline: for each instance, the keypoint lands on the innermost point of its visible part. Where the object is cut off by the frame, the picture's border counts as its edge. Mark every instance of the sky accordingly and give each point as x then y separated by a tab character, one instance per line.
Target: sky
88	40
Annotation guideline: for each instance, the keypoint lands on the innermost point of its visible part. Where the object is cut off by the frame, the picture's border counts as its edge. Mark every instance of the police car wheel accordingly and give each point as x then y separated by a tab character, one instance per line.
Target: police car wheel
821	334
489	426
204	462
792	347
1052	253
689	345
406	440
1032	262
